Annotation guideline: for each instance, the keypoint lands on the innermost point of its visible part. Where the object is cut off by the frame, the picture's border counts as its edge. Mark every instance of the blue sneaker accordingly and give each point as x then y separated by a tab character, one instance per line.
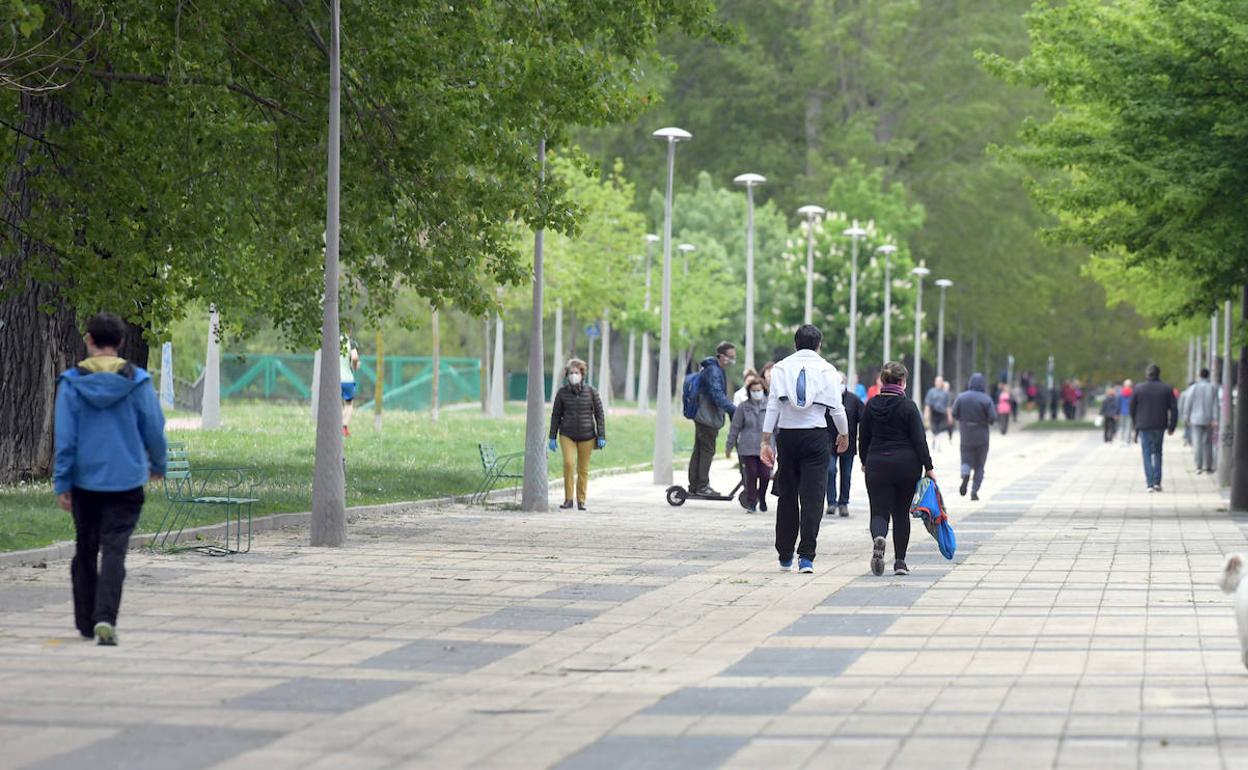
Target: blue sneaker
786	564
805	566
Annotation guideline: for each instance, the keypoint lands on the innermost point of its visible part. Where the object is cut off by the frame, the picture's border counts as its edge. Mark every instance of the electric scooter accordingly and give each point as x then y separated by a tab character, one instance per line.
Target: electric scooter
677	495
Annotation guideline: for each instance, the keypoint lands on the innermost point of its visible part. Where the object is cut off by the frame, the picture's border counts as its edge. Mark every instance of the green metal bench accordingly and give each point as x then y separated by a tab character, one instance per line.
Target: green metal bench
495	467
187	488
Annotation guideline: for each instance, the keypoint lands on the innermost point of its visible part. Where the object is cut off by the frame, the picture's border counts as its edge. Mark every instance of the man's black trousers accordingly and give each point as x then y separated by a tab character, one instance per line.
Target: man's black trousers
803	481
104	522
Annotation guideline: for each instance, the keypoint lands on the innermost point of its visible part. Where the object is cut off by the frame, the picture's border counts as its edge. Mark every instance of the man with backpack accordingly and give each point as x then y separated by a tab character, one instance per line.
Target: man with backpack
705	400
110	439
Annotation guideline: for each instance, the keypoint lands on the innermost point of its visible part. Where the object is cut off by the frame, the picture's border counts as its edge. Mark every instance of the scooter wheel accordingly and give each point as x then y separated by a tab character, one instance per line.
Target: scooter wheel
741	500
677	495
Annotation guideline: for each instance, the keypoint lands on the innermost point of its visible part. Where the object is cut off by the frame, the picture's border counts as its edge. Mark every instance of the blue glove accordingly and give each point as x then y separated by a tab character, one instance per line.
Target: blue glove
602	442
552	444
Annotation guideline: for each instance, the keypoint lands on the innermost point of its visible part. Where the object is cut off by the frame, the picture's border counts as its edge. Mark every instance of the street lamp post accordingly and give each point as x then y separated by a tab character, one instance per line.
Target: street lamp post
749	181
851	376
663	394
685	250
810	211
944	284
643	381
919	273
888	250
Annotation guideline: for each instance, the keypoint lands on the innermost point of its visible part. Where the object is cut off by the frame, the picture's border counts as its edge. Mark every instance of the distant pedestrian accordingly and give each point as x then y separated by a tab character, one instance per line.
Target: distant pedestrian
949	423
936	404
577	427
109	441
1070	400
1005	407
1183	399
742	394
745	433
874	390
1055	399
348	363
894	456
1201	414
843	462
713	404
1126	429
974	412
1110	408
1155	411
805	390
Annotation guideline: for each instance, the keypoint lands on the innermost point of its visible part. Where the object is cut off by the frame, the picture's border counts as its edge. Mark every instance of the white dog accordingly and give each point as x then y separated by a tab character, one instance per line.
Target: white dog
1233	582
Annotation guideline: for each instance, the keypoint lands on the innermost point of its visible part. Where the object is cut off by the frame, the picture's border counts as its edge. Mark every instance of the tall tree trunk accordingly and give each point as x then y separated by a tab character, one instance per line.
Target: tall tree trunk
434	396
1239	479
35	345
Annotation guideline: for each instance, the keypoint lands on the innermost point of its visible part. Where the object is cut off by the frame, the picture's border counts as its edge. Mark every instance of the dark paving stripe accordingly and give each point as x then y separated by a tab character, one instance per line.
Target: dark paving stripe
529	618
646	752
311	694
160	747
737	701
829	624
597	592
794	661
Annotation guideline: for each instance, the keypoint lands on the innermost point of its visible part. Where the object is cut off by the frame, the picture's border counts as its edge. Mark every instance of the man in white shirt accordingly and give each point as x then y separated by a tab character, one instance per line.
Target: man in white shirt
804	390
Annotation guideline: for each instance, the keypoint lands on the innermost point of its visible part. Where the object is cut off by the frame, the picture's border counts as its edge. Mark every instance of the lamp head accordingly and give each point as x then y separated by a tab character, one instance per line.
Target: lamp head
687	247
673	134
749	180
887	249
855	231
652	238
810	211
944	283
920	271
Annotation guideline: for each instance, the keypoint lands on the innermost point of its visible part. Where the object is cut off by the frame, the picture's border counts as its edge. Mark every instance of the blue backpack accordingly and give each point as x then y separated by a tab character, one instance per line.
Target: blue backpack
690	395
929	505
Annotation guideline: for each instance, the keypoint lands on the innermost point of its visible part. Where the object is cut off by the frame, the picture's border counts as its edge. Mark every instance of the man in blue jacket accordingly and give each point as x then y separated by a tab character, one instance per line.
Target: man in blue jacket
110	439
713	404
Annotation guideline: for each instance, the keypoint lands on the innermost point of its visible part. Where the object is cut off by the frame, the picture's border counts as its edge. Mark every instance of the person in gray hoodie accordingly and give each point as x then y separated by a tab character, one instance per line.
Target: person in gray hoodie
746	434
1200	413
974	412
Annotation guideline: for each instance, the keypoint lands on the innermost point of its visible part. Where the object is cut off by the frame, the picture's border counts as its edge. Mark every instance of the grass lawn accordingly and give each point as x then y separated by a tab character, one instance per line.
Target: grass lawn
1062	424
409	459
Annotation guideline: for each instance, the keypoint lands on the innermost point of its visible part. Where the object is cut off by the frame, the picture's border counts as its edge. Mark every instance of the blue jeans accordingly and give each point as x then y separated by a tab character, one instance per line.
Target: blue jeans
1150	442
846	463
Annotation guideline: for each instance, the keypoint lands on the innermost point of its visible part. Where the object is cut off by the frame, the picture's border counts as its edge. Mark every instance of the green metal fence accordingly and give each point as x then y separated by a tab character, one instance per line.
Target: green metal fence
408	380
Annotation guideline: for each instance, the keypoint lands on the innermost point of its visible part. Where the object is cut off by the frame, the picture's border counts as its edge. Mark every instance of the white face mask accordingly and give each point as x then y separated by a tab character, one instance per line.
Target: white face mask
756	395
574	378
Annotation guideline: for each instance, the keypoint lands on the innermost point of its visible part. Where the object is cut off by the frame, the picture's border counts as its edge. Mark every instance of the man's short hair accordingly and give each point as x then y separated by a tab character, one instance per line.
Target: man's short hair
1204	373
807	337
106	330
1153	371
723	348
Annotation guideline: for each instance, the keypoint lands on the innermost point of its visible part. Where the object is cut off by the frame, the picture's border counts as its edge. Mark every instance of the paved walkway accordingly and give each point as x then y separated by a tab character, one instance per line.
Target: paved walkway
1078	627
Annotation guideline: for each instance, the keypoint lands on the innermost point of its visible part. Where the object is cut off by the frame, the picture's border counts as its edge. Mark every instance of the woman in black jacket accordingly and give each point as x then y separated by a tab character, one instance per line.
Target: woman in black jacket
577	420
893	446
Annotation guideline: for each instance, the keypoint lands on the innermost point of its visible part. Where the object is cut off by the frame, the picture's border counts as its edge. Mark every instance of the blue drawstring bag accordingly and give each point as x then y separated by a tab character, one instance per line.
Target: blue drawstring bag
929	505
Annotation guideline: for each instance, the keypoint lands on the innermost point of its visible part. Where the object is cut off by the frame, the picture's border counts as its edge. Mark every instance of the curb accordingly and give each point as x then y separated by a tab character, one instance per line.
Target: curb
64	550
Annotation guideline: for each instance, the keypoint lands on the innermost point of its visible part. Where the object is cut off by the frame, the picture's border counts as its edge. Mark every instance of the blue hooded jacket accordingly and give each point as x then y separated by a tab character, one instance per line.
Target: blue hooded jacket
110	430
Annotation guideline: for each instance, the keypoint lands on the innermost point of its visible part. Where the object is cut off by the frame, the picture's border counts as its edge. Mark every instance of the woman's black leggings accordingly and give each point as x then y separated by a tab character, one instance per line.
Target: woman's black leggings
891	477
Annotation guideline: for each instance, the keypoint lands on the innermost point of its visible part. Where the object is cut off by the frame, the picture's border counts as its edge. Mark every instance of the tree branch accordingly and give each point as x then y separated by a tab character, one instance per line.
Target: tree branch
161	80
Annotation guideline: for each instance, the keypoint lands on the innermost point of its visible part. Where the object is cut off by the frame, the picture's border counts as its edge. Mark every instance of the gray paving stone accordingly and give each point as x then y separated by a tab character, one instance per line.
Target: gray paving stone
794	661
838	624
22	598
729	700
875	596
531	618
441	656
597	592
319	694
159	747
645	752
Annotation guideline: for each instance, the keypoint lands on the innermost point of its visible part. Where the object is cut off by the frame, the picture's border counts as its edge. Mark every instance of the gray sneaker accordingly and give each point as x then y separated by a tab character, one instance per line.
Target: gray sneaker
900	568
843	510
877	556
105	634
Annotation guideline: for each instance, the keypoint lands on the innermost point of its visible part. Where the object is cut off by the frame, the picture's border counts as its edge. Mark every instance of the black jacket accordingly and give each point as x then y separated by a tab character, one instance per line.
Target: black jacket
577	414
974	412
890	424
1109	407
853	413
1153	406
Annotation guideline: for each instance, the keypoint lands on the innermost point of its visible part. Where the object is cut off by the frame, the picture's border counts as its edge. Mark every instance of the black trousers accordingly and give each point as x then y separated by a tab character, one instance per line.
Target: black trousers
891	478
803	480
973	460
756	477
103	522
1111	429
704	438
1003	421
